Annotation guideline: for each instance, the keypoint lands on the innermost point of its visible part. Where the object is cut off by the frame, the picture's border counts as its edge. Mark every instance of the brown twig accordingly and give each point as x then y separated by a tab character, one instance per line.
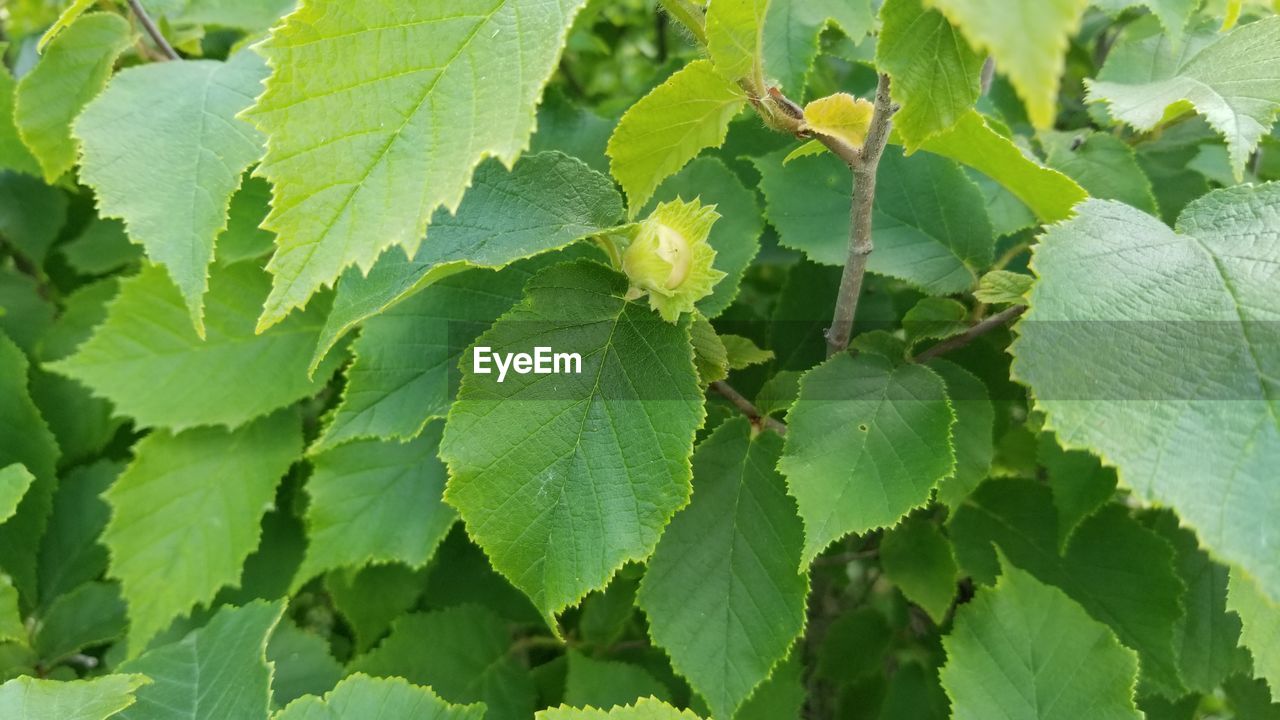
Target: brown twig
150	26
747	408
860	245
999	319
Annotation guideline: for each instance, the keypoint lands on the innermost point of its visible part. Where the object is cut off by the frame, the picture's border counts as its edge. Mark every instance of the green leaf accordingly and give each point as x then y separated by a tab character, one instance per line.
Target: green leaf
97	699
607	614
643	709
243	239
14	481
607	683
73	69
154	135
743	353
563	482
573	129
935	73
14	154
25	315
91	615
461	574
1001	287
269	570
1103	164
1027	40
929	222
12	629
736	235
1080	484
1260	627
302	664
1023	650
1208	635
544	203
415	116
69	550
854	647
1250	698
1174	15
972	435
792	30
1231	82
1048	193
918	559
27	441
102	247
372	597
1008	214
31	215
463	653
781	696
376	502
1108	556
669	127
916	692
366	698
250	15
147	359
406	358
709	353
866	443
735	39
168	549
217	672
723	593
934	318
69	15
1170	428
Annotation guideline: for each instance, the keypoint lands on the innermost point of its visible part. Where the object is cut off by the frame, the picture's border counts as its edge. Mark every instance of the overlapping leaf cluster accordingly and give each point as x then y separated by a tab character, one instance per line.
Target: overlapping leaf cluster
248	467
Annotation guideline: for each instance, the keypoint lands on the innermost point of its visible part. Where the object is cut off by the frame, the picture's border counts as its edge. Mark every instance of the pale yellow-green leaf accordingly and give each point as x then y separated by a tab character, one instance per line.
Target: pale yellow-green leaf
376	115
14	481
1028	40
73	70
669	127
186	513
27	698
735	39
1230	81
1260	627
841	116
813	147
1050	194
164	152
644	709
68	16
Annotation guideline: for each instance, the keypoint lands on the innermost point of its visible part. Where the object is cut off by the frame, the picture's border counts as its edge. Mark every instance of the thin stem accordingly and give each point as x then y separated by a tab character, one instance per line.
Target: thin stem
752	412
150	26
536	641
860	245
988	74
1010	255
690	15
999	319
